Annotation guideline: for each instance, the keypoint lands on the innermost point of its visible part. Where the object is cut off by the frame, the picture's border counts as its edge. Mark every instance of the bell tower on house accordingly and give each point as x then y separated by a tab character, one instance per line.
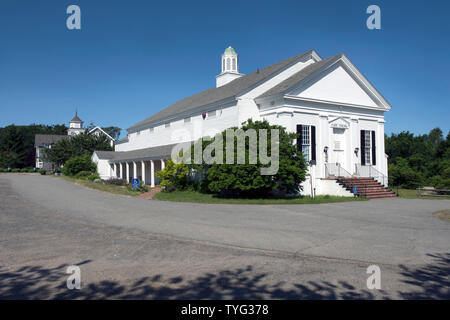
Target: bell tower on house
75	126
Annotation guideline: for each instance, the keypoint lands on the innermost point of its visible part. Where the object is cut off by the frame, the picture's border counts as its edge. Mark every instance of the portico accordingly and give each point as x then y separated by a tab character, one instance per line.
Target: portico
140	164
142	169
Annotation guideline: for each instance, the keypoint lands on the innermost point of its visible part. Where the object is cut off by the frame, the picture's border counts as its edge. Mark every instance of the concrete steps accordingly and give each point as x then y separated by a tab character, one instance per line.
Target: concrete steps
367	187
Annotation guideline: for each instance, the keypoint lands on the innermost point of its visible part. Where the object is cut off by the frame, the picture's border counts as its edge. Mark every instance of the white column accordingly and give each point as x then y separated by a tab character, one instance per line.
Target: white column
117	170
134	170
163	164
128	171
152	173
121	170
143	171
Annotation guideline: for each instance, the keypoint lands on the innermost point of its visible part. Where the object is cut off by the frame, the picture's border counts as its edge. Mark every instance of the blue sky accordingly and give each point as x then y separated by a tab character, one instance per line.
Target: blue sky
134	58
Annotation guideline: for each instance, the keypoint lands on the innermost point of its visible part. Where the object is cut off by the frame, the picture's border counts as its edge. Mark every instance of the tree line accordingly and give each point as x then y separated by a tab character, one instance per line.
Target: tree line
17	142
419	160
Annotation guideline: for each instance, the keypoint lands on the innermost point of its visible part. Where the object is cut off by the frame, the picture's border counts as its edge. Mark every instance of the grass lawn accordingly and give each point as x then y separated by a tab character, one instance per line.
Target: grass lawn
412	194
123	190
443	214
192	196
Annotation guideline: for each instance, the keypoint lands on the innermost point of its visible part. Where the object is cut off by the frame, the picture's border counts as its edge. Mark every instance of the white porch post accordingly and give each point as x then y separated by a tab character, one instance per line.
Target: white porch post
152	174
121	170
128	171
134	170
143	171
163	164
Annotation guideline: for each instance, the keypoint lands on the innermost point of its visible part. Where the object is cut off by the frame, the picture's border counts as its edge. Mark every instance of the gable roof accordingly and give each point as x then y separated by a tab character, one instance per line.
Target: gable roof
212	95
298	77
41	140
305	73
102	131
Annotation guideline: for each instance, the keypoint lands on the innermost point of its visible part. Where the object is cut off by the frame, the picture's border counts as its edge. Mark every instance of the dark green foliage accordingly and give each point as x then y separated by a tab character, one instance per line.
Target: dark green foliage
416	161
246	179
113	132
78	164
17	143
75	146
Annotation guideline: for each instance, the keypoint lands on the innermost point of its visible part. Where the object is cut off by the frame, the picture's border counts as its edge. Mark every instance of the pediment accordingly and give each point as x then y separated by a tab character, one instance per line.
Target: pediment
339	123
339	84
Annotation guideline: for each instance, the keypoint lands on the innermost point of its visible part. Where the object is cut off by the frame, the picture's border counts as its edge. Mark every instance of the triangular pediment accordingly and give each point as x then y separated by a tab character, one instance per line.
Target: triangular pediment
340	84
339	123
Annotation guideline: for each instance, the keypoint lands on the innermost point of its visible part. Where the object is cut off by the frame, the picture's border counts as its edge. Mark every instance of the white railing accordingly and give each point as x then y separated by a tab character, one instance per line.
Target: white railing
334	170
371	172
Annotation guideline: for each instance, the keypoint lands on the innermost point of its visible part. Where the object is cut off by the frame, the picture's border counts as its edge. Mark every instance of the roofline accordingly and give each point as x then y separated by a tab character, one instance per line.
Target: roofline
97	127
340	57
178	116
184	114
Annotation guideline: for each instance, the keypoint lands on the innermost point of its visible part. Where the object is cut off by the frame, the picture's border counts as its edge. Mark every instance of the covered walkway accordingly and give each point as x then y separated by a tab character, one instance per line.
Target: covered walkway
141	164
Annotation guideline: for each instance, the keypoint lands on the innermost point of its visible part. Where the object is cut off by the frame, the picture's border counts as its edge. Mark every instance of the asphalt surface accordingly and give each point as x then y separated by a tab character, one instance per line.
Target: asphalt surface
136	248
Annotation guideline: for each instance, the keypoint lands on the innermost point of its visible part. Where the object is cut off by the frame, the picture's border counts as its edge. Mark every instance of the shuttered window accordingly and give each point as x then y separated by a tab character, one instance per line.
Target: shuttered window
306	141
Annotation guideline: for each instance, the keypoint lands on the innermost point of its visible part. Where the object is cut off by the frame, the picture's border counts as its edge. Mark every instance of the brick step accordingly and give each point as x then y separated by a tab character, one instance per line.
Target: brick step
362	185
383	197
367	187
374	192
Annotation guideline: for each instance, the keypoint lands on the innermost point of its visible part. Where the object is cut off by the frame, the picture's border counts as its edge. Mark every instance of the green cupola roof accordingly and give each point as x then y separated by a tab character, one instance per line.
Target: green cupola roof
229	50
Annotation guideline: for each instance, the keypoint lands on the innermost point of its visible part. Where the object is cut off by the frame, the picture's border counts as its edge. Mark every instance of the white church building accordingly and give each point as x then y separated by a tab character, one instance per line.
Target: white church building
336	111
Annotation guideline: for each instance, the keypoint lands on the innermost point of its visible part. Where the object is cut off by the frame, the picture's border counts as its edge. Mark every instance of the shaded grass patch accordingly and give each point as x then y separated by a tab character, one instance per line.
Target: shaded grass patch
193	196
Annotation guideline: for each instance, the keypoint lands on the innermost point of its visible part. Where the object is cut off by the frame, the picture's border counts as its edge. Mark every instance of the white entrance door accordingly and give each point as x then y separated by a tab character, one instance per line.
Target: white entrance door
339	147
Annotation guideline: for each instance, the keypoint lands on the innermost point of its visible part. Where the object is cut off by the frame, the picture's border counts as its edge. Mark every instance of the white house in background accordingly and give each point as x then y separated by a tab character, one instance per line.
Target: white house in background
46	141
99	131
336	111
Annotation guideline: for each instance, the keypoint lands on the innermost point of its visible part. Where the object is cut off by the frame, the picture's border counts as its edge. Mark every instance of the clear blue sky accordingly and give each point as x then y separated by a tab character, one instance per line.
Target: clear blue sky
134	58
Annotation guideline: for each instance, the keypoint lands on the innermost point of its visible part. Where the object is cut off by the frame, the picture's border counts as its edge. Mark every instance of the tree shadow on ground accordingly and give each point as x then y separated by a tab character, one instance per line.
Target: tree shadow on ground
34	282
432	280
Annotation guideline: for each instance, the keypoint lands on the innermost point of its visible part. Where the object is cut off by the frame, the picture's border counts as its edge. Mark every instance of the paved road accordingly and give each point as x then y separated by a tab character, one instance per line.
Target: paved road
130	247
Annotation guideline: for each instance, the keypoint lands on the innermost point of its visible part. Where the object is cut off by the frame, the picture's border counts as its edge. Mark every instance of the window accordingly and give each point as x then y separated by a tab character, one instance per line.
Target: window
151	130
167	125
187	120
138	133
234	64
306	142
367	147
211	114
228	64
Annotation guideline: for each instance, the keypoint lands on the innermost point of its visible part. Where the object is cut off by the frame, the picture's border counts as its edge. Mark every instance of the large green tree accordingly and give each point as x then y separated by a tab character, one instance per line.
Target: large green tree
74	146
17	143
247	178
419	160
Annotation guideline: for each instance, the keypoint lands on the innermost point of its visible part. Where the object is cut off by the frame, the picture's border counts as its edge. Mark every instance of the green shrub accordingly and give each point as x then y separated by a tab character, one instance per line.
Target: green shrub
246	179
83	175
174	176
78	164
93	177
42	171
401	174
15	170
27	169
116	181
3	170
